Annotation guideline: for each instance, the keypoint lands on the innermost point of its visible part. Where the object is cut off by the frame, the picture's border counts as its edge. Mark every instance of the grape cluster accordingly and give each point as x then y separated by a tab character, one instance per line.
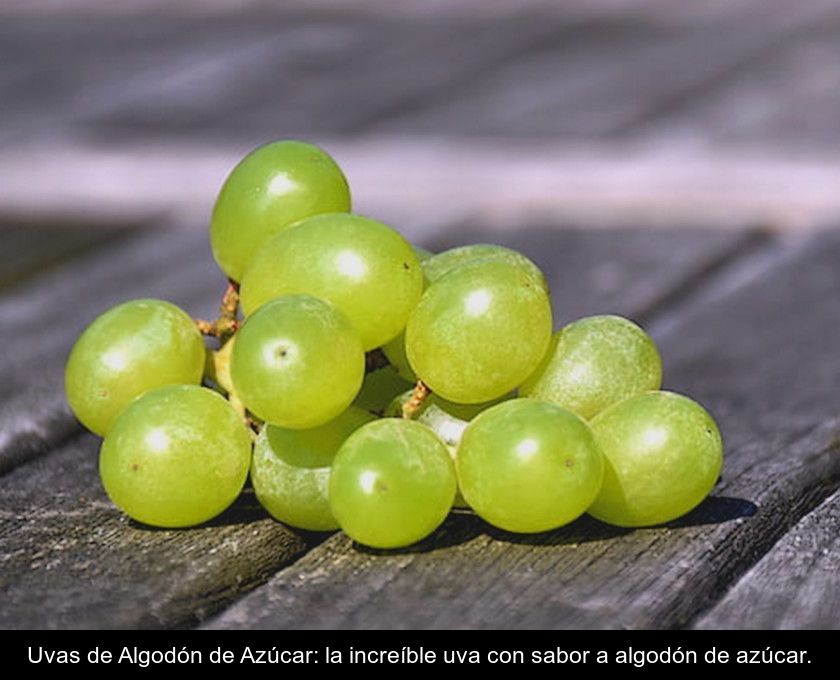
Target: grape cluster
372	385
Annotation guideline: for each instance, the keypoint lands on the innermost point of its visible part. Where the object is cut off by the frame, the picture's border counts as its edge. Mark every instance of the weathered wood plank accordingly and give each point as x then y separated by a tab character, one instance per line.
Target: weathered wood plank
614	73
31	248
69	559
795	585
758	359
788	97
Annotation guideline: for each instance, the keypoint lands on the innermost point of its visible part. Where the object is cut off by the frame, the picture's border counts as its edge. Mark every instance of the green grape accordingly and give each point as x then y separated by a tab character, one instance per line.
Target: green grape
479	331
273	187
528	466
130	349
595	362
392	483
422	253
218	366
379	389
395	352
446	419
364	268
176	457
663	455
290	470
438	266
297	362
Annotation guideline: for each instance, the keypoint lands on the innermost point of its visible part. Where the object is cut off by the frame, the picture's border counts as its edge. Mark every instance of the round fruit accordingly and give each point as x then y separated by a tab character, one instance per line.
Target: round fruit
479	331
176	457
596	362
392	483
130	349
290	470
362	267
273	187
297	362
528	466
663	455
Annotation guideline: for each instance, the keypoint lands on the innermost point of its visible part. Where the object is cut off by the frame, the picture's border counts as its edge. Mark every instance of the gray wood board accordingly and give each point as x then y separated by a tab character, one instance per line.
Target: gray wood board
69	559
617	72
761	359
796	585
29	249
578	73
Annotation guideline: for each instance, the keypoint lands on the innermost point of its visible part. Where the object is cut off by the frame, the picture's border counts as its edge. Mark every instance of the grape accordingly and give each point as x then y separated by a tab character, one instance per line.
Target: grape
595	362
395	352
446	419
392	483
421	253
297	362
218	368
663	455
291	470
273	187
528	466
479	331
128	350
364	268
176	457
438	266
379	389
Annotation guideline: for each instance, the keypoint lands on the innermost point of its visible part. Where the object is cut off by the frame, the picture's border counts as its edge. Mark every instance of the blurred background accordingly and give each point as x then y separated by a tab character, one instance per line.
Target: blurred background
578	114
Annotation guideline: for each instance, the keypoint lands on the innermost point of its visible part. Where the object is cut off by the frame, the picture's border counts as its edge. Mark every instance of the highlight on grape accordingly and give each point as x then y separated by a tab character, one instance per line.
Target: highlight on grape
368	385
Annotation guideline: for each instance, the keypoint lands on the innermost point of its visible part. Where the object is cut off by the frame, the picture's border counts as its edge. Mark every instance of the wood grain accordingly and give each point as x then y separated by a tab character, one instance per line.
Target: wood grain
796	585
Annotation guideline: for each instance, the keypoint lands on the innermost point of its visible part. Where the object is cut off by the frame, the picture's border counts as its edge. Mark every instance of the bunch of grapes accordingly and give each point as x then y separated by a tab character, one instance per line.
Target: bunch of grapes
371	386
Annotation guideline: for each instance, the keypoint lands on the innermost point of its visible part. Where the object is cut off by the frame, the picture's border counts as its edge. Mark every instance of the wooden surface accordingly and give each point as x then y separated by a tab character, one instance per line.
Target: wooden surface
650	156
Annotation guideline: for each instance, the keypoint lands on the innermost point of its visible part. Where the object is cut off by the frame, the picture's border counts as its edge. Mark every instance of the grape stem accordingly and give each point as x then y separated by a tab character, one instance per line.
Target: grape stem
415	402
227	323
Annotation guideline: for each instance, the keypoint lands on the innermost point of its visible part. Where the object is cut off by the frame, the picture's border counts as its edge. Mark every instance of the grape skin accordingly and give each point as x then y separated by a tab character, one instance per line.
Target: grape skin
297	362
380	388
290	470
595	362
364	268
528	466
438	266
479	331
130	349
176	457
663	455
446	419
392	483
273	187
